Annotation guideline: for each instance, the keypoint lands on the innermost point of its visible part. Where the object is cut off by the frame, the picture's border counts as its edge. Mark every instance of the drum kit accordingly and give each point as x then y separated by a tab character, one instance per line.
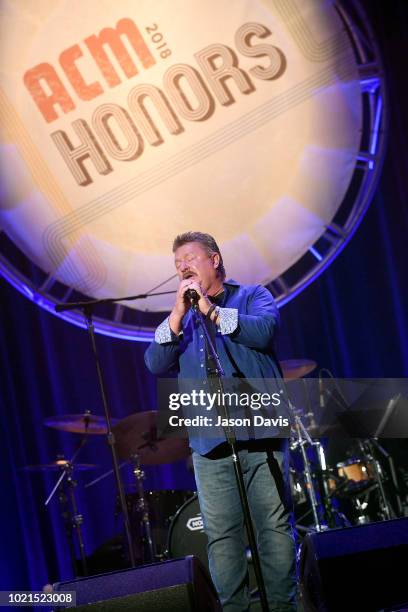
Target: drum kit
168	524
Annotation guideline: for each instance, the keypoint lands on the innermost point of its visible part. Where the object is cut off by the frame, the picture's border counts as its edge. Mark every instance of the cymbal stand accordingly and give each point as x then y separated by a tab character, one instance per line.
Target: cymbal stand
303	439
66	515
368	451
393	475
75	519
310	415
72	519
143	507
331	512
321	459
329	509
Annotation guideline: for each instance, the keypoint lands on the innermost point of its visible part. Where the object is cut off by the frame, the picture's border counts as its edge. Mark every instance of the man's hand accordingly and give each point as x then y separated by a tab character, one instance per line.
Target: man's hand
182	304
203	302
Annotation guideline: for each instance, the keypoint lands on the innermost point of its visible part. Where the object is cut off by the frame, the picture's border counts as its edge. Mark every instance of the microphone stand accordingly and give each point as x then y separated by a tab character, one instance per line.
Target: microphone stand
232	441
87	308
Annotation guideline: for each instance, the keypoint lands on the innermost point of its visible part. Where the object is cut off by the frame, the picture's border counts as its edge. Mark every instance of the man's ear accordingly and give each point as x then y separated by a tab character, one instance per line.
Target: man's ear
216	261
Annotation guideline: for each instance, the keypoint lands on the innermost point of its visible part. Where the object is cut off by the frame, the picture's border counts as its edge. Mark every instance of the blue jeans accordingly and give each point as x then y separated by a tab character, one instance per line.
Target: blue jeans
224	525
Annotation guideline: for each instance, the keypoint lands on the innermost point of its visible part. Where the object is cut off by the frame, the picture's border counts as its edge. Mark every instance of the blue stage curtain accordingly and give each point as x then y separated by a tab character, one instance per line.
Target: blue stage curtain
353	320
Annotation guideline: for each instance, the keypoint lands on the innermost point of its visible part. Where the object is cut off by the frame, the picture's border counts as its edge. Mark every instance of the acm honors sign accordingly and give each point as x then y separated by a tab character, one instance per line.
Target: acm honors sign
126	123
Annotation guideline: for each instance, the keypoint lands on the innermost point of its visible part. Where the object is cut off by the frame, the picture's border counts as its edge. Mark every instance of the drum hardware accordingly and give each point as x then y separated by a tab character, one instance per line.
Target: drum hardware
322	509
143	508
150	449
357	475
87	309
338	487
73	520
137	442
403	474
333	516
319	483
340	398
394	481
83	424
351	485
298	492
310	415
366	473
369	445
367	448
87	423
303	439
361	507
163	506
354	477
77	519
327	487
322	481
103	476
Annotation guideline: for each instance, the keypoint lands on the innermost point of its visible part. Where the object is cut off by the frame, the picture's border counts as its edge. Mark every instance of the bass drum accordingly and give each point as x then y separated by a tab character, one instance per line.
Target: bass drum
187	537
186	534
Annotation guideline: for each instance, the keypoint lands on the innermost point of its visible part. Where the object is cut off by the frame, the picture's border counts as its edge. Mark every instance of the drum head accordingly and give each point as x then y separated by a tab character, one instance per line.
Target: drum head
187	537
186	534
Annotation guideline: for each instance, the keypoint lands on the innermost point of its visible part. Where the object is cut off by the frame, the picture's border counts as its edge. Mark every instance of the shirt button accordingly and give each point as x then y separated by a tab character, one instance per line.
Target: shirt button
204	382
201	336
202	365
201	350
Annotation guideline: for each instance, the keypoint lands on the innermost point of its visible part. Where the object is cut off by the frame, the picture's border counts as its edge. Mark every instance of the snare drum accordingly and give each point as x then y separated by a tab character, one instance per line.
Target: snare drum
358	473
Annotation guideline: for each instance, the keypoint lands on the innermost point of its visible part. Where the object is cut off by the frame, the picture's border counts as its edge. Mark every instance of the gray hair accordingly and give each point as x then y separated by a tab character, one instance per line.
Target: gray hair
206	241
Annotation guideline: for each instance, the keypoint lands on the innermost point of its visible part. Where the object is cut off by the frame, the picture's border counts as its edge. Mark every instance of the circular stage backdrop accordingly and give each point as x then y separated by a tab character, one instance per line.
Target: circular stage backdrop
125	123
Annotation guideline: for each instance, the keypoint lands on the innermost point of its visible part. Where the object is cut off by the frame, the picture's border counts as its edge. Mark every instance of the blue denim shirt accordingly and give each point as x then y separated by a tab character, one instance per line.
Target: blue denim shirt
244	341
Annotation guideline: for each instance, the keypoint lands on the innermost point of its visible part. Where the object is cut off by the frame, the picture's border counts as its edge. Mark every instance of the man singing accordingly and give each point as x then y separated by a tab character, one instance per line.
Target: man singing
242	320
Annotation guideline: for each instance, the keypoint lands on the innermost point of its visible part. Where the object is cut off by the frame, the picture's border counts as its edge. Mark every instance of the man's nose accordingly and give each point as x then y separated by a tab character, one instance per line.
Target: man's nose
183	266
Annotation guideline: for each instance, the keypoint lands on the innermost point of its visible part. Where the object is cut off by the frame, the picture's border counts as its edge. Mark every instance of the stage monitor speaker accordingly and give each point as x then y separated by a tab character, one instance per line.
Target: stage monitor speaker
362	568
179	585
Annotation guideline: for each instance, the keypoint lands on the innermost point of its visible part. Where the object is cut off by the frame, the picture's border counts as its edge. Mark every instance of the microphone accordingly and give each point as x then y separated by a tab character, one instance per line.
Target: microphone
321	392
192	295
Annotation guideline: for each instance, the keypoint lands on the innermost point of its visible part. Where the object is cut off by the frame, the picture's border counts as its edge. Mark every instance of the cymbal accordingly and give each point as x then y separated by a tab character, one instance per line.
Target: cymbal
59	464
86	423
137	434
297	368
